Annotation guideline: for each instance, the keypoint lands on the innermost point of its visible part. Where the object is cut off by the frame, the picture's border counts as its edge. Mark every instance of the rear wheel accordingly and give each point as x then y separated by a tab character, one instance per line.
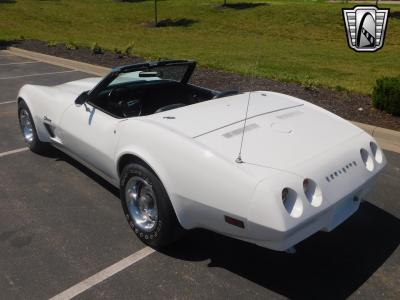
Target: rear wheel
28	129
147	206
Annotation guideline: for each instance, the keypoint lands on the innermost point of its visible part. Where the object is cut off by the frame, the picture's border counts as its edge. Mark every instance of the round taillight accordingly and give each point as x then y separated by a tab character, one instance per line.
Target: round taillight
376	152
292	202
313	192
367	159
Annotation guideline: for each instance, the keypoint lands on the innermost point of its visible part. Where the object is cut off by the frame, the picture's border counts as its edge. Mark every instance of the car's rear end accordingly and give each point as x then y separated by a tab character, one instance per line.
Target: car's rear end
318	194
313	168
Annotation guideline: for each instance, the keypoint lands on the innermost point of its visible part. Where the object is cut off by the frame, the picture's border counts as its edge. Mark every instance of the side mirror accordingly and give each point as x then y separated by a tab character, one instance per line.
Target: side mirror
82	98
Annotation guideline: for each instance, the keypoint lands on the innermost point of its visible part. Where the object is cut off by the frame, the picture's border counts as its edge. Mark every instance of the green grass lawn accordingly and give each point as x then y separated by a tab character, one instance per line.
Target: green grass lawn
301	41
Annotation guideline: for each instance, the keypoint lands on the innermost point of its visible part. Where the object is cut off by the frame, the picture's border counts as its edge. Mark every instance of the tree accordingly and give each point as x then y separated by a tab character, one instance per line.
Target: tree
155	13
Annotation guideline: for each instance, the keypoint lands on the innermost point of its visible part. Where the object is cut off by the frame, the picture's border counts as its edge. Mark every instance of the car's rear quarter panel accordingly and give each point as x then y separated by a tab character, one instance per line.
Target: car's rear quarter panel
202	186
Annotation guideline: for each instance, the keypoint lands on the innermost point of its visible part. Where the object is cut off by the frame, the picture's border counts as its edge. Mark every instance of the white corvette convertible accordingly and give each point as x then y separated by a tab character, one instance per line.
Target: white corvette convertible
262	167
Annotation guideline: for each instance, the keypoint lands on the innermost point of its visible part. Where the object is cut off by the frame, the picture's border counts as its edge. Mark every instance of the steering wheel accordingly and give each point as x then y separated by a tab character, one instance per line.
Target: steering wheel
121	104
131	107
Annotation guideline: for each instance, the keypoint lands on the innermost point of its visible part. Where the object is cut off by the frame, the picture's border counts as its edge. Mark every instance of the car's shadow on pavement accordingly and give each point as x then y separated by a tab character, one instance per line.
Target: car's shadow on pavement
60	156
326	266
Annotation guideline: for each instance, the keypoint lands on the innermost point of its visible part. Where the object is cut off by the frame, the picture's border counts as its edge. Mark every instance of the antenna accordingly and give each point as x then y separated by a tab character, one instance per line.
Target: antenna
239	158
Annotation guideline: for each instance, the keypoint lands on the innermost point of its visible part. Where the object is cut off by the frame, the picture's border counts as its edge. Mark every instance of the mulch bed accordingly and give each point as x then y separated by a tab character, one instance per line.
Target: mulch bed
348	105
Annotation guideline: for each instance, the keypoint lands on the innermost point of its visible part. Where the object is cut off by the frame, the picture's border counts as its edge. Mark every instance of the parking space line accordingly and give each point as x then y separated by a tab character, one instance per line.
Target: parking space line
20	63
8	102
103	275
38	74
13	152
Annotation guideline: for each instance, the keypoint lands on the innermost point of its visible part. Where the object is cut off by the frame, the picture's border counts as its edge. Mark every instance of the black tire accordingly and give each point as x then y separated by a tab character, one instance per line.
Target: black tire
35	144
167	228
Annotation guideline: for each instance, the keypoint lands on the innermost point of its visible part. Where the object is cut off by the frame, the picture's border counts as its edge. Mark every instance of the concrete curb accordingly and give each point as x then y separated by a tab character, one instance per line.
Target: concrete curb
62	62
387	139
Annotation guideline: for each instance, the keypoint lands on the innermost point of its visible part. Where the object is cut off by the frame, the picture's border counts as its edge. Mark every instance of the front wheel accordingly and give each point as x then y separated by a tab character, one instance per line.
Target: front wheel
28	129
147	206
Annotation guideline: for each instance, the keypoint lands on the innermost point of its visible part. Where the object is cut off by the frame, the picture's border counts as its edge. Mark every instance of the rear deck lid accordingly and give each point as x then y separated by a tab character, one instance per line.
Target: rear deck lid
202	118
281	131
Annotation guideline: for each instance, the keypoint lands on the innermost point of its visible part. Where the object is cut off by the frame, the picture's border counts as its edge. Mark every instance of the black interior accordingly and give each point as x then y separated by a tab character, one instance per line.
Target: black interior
148	97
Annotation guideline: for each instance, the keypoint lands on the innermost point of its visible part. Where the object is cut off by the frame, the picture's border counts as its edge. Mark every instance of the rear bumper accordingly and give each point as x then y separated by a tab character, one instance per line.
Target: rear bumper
327	220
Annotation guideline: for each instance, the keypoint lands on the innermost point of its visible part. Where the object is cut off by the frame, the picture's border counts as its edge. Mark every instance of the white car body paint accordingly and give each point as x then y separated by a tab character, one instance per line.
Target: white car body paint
192	150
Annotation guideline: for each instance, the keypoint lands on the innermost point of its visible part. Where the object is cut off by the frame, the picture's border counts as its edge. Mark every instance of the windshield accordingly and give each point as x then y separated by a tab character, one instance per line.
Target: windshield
132	75
160	73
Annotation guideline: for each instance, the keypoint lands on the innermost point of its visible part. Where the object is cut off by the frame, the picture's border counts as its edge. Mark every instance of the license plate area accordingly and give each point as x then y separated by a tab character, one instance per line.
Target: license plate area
345	209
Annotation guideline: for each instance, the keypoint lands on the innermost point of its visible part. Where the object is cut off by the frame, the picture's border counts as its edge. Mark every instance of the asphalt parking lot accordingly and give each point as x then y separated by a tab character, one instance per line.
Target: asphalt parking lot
60	224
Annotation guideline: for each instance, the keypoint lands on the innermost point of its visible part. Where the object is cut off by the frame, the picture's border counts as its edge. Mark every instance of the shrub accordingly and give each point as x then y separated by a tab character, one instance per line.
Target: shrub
71	45
96	49
309	84
339	88
118	52
386	95
129	49
51	44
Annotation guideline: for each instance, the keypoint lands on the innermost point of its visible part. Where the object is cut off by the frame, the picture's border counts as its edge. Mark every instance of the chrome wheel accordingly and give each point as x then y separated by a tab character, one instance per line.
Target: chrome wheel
141	202
26	126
